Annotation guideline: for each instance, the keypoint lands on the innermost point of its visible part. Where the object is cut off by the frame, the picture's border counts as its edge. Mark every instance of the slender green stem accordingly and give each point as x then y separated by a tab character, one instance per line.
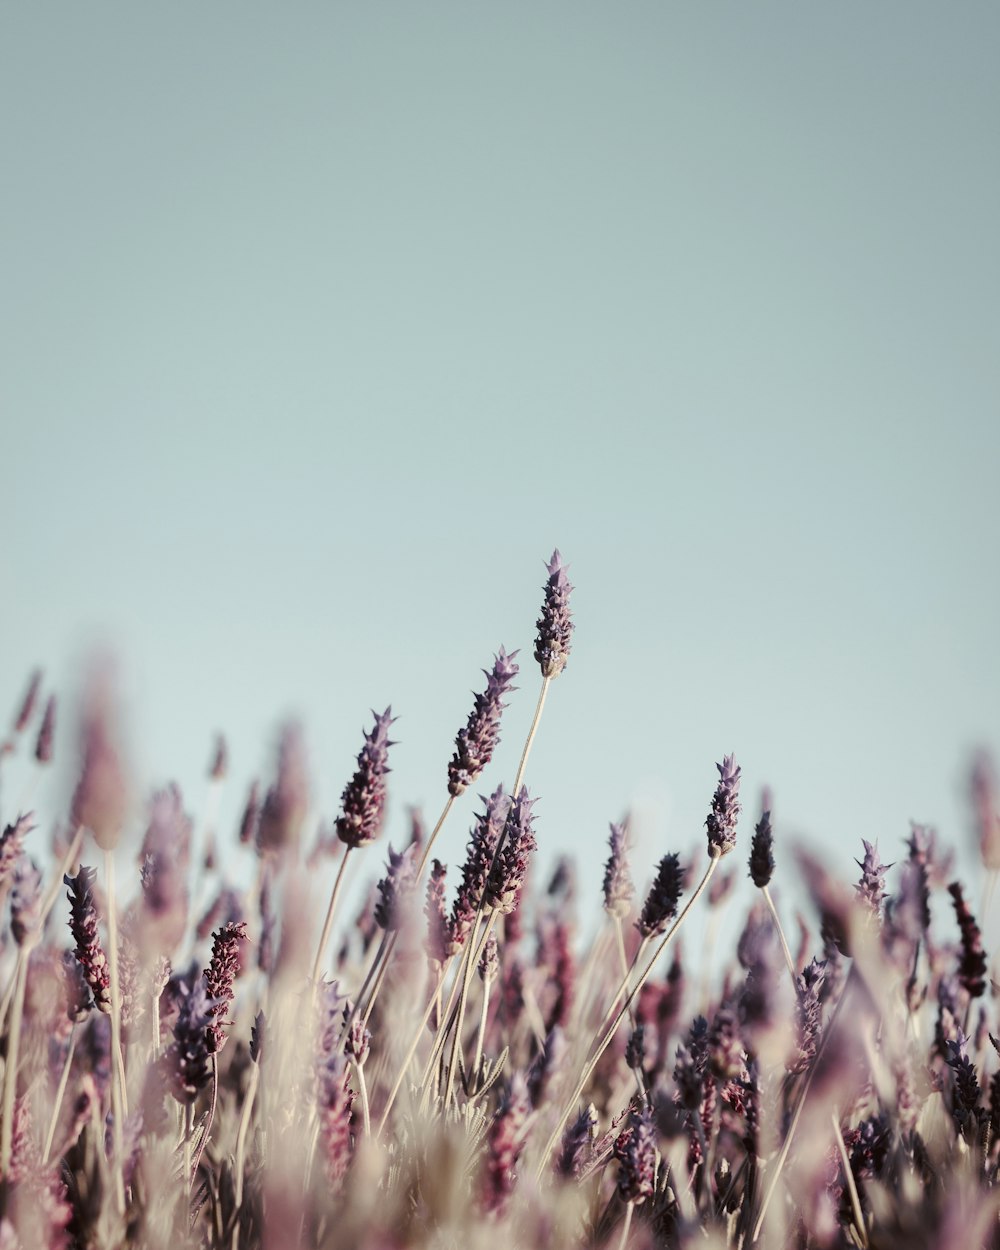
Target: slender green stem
328	922
529	741
613	1028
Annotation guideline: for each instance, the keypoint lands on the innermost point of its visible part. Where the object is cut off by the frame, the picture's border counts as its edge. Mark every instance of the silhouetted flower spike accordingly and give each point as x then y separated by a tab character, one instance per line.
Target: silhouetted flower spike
635	1150
503	886
395	887
555	627
220	976
870	889
577	1144
46	732
664	895
363	801
721	820
475	744
86	938
761	853
619	889
972	966
258	1037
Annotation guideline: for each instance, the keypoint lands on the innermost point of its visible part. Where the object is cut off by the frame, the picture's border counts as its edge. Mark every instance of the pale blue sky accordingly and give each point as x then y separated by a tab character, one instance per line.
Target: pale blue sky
323	324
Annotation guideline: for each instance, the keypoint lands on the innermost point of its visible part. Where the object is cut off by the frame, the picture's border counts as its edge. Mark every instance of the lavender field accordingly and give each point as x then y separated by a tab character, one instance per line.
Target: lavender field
209	1040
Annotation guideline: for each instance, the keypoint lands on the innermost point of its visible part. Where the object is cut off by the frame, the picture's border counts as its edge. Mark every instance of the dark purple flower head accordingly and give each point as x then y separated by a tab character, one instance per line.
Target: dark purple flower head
635	1150
476	743
46	732
26	901
505	1141
86	938
555	627
635	1047
363	801
761	852
972	965
721	820
438	935
503	886
220	976
395	888
577	1144
251	816
483	843
187	1060
870	889
12	844
489	963
287	801
664	895
258	1037
965	1110
619	889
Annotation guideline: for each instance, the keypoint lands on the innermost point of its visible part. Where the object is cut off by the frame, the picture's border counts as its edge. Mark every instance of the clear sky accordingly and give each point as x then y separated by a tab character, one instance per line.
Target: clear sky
323	324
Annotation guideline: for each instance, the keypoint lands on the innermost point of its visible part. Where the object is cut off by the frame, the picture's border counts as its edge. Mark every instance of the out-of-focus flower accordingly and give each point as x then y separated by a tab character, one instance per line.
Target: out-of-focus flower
26	901
761	852
187	1061
475	744
100	801
395	888
46	732
438	934
619	889
362	808
972	966
555	626
986	810
577	1144
29	699
12	845
219	764
287	801
635	1150
505	1141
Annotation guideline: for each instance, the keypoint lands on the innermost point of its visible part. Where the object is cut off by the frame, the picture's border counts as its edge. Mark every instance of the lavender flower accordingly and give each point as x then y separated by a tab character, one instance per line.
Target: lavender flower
165	857
619	889
287	801
972	966
505	1141
76	989
100	800
251	816
438	933
26	901
635	1151
721	820
46	732
219	765
358	1040
483	842
86	938
27	705
475	744
577	1144
555	628
808	1016
870	889
503	885
761	852
489	963
363	801
635	1048
664	895
220	975
965	1110
395	888
334	1102
187	1060
12	845
258	1037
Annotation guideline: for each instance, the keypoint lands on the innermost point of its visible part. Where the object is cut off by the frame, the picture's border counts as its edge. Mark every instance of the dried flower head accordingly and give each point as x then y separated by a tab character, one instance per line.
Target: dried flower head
475	744
503	885
363	801
555	627
220	976
721	820
664	895
619	889
761	852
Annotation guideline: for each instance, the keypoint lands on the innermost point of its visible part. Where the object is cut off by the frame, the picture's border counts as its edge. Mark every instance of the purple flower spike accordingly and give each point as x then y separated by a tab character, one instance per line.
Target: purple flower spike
972	966
503	887
25	900
394	888
505	1141
482	847
618	887
721	820
635	1150
761	852
188	1058
660	906
287	801
555	628
438	935
363	801
27	705
869	888
12	843
476	743
220	975
86	938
